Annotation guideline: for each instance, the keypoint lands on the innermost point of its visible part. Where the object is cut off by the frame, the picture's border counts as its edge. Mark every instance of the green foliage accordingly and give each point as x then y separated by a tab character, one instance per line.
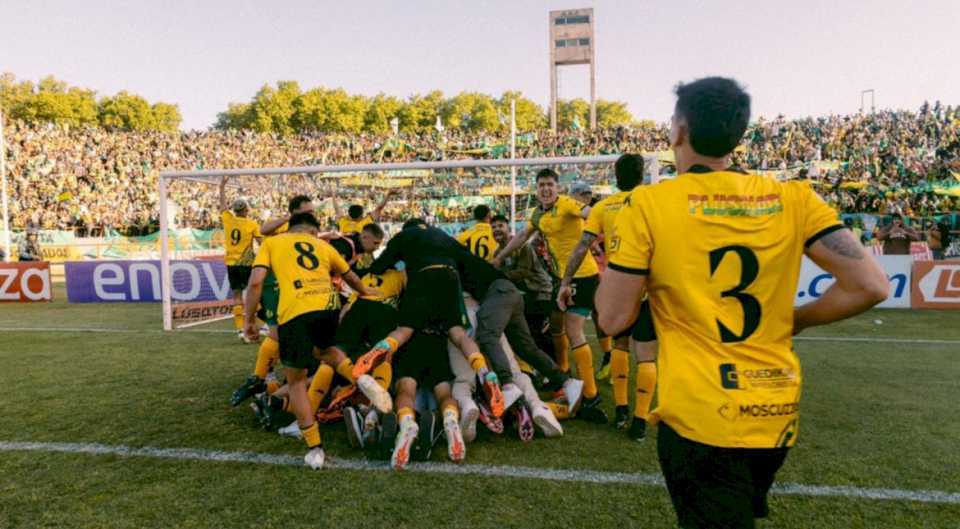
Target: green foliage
51	100
573	114
530	115
612	114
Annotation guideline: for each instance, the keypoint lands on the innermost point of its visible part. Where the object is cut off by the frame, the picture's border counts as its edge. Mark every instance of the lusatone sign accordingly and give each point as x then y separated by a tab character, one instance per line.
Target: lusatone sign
24	282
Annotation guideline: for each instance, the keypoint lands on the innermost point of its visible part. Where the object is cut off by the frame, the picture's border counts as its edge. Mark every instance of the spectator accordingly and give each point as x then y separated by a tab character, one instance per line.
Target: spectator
897	236
29	248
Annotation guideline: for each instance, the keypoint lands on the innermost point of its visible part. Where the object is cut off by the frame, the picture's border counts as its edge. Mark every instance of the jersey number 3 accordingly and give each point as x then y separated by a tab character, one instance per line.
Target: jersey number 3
749	269
305	256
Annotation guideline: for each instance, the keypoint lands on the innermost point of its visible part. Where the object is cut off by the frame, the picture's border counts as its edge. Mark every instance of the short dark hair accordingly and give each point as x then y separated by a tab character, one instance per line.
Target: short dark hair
500	218
296	202
306	218
355	211
481	212
547	173
629	171
717	111
414	223
374	229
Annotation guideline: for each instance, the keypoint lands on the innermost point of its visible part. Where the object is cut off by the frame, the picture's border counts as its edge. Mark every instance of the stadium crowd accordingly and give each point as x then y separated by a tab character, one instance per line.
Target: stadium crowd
95	181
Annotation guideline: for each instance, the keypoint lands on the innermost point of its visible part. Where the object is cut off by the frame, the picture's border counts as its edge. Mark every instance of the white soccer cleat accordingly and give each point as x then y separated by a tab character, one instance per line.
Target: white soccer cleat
573	390
378	396
547	422
456	448
511	394
468	423
291	430
405	438
315	458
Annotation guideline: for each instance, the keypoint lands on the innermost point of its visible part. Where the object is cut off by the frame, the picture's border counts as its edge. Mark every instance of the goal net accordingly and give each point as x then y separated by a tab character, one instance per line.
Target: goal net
194	285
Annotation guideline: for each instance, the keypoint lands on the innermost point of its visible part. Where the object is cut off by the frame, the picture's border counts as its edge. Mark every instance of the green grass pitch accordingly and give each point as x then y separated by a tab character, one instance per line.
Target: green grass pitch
876	414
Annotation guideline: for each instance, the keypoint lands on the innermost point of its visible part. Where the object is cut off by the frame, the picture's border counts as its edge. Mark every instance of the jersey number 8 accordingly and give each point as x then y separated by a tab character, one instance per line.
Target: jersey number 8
305	256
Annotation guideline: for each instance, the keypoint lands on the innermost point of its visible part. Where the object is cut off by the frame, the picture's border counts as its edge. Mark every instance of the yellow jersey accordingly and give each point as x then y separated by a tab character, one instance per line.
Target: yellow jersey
562	228
391	284
722	250
346	225
602	216
238	236
303	265
479	240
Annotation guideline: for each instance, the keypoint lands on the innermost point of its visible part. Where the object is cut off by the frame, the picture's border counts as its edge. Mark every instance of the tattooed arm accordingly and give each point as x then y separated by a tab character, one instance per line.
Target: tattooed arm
861	282
565	294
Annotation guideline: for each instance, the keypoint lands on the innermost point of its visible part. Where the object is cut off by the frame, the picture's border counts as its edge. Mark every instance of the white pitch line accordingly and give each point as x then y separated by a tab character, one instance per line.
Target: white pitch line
871	339
545	474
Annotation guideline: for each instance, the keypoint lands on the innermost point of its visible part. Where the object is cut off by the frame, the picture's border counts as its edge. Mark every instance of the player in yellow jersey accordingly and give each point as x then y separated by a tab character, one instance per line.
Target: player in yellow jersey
356	219
239	234
559	220
719	252
600	223
308	314
479	238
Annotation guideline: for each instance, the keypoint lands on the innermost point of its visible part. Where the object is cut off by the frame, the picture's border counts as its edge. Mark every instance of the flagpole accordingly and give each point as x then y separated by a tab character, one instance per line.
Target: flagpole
3	191
513	168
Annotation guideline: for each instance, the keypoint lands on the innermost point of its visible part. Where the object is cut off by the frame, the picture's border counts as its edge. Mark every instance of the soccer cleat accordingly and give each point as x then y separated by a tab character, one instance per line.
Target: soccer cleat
604	371
405	438
638	430
263	411
492	422
511	395
491	388
251	386
426	435
573	391
371	359
354	427
621	417
341	396
468	423
590	411
291	430
315	458
525	427
243	337
378	396
548	423
456	448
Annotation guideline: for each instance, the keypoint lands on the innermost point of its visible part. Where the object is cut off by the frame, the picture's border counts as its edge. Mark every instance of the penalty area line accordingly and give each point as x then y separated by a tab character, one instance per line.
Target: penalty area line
109	331
544	474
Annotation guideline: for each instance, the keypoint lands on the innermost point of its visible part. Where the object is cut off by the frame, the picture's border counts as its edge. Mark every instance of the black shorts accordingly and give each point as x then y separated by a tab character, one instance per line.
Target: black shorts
300	335
716	487
432	301
642	330
238	276
425	359
366	323
584	289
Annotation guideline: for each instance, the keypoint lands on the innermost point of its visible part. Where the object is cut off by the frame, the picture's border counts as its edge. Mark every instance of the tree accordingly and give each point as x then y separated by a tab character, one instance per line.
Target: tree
612	114
125	111
380	110
329	111
420	113
273	109
471	111
530	116
166	116
573	114
237	116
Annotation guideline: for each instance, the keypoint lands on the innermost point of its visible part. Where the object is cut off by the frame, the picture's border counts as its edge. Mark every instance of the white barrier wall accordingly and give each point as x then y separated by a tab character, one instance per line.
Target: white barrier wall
814	281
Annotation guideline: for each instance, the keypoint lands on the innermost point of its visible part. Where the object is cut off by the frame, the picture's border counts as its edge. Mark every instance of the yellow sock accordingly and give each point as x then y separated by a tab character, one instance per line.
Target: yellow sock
451	409
319	386
525	367
560	411
272	387
311	435
606	344
477	362
646	382
583	356
619	373
383	374
267	356
561	345
404	412
238	317
345	369
394	345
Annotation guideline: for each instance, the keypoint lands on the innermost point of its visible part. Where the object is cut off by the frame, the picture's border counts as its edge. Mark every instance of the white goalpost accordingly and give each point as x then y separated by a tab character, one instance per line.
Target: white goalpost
382	171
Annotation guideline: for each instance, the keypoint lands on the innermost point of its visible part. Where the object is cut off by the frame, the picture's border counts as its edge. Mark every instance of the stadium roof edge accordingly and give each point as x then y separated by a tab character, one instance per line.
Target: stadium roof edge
373	167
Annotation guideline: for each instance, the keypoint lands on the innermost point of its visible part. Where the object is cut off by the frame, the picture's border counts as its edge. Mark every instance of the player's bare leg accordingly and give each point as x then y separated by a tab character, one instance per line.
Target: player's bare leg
456	448
406	401
382	351
491	384
300	406
378	396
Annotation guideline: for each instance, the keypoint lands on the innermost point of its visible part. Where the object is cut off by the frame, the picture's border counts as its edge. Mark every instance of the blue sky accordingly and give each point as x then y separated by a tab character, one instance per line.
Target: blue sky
797	58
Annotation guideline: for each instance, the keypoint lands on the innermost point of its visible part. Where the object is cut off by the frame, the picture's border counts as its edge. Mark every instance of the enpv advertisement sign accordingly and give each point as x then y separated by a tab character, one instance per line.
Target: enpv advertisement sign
139	281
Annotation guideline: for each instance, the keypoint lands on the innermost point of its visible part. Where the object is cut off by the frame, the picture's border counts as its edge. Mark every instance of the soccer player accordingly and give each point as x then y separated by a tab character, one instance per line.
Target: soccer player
629	173
269	353
479	238
239	233
722	299
559	220
308	315
433	300
356	220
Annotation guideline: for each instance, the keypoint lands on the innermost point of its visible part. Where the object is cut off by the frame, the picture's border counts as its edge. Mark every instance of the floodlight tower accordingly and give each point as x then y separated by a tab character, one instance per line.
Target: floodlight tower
572	42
